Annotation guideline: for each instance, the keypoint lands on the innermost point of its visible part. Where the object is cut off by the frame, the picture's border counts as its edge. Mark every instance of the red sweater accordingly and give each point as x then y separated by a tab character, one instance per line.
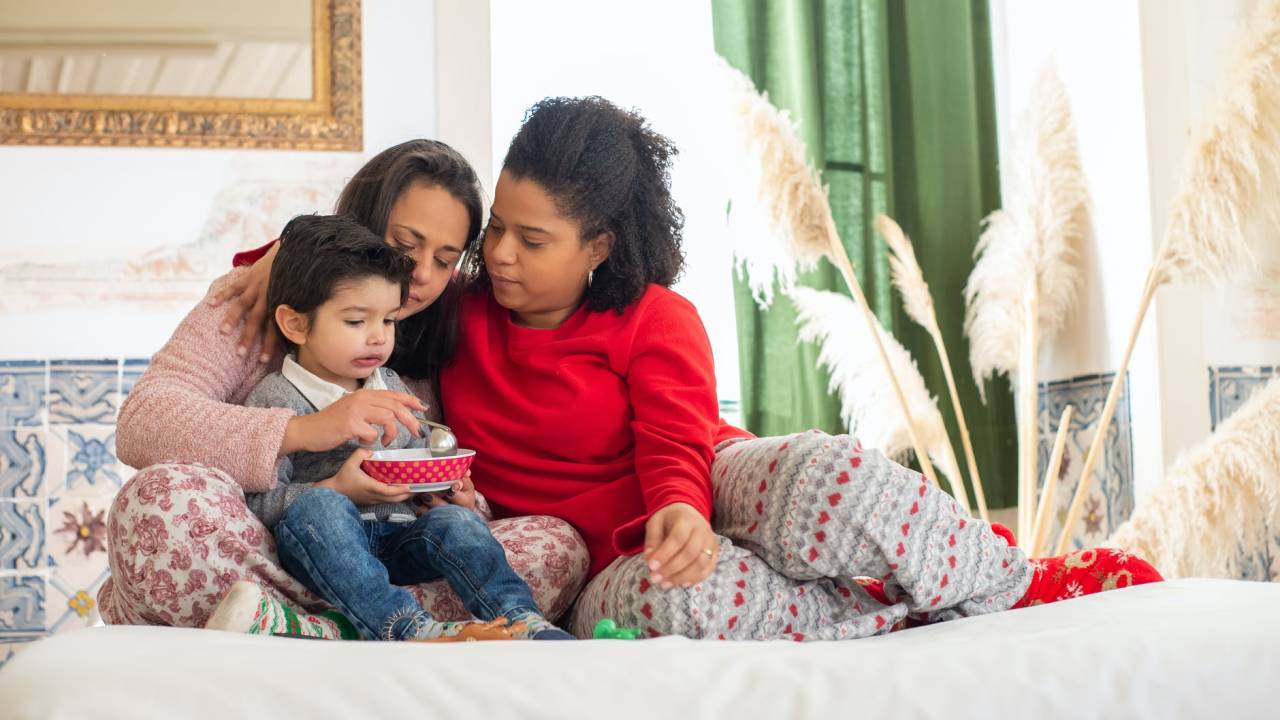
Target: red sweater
600	422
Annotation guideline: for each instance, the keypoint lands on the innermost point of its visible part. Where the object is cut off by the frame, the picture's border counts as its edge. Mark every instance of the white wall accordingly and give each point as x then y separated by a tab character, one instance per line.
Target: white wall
1139	75
656	57
82	209
463	83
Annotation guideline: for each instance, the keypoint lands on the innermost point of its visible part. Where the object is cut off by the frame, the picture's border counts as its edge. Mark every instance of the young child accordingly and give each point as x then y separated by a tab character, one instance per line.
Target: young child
335	290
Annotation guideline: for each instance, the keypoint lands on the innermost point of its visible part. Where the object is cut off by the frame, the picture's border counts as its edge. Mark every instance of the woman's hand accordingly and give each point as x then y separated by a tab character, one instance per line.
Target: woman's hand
359	487
462	493
248	296
680	546
356	416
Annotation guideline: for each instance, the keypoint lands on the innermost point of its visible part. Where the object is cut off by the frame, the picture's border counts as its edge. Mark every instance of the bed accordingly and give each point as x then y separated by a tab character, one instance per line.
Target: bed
1186	648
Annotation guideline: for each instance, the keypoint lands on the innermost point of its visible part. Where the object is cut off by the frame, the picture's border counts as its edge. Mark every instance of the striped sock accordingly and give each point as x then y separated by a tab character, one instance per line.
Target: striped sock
246	608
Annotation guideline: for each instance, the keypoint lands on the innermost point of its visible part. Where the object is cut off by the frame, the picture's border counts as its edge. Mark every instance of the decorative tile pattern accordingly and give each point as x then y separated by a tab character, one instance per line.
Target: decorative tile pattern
90	452
22	463
1260	560
21	535
1274	555
1109	501
84	391
129	374
76	537
58	475
23	388
1230	387
22	614
73	605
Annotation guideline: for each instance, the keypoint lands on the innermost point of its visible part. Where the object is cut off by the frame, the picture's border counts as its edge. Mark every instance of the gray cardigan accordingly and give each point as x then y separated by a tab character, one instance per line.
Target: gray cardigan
298	472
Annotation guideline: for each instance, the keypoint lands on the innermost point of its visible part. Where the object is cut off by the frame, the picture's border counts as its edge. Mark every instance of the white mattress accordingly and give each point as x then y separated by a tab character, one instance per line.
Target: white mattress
1188	648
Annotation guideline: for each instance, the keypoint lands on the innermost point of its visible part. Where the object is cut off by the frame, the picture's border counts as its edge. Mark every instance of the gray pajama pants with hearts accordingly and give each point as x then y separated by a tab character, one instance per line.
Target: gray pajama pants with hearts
799	518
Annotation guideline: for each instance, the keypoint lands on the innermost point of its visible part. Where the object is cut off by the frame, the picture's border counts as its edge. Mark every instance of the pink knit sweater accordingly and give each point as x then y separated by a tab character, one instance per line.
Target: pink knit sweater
186	406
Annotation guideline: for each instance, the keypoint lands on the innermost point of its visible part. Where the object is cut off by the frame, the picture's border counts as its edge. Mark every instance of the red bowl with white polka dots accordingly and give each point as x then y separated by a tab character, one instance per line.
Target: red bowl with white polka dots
416	466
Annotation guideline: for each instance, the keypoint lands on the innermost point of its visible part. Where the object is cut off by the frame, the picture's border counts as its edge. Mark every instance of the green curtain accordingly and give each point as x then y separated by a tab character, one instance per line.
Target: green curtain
894	101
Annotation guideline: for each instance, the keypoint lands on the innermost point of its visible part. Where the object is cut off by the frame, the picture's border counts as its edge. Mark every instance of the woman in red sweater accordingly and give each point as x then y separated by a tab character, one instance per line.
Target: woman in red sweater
587	388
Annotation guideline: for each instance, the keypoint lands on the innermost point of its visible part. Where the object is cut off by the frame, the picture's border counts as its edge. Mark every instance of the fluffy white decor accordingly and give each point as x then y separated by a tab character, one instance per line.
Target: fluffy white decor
1215	498
788	220
1233	167
1036	235
868	404
908	277
1230	185
778	214
1024	284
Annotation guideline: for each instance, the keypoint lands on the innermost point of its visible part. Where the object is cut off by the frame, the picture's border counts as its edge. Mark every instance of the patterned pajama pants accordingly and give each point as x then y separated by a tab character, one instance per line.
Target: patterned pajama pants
801	519
179	535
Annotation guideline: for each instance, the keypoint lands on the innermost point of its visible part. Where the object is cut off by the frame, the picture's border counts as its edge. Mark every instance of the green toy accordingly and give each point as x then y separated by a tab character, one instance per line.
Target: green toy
607	629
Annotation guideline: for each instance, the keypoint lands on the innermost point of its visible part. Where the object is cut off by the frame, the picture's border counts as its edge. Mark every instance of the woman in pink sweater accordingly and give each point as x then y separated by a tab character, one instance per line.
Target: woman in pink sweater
179	531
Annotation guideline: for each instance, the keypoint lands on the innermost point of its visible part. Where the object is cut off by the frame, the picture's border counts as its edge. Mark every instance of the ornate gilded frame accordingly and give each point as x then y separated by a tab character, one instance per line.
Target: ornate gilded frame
331	120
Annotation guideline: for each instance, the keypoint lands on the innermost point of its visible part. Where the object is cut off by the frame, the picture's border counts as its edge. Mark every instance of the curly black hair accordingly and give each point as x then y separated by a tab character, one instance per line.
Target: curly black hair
609	171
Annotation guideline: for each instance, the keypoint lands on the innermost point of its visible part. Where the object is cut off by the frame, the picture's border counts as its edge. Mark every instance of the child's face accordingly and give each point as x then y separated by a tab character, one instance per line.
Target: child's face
353	333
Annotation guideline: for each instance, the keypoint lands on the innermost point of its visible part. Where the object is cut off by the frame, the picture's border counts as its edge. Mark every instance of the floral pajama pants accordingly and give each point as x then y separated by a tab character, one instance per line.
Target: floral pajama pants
804	521
180	535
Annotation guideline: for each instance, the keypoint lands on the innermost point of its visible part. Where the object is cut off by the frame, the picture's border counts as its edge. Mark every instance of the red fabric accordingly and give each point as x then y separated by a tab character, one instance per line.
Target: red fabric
1085	572
1080	573
1005	533
600	422
249	257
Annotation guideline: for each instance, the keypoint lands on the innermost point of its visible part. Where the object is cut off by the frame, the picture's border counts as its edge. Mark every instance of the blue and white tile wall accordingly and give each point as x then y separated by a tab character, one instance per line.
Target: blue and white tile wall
1110	499
1229	388
58	475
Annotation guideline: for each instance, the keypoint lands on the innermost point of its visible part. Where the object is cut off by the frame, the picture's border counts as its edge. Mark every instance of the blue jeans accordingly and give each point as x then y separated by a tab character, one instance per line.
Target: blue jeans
357	565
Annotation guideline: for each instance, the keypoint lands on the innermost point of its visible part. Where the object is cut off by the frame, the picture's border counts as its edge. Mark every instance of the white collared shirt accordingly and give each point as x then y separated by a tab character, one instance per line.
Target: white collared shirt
319	392
322	393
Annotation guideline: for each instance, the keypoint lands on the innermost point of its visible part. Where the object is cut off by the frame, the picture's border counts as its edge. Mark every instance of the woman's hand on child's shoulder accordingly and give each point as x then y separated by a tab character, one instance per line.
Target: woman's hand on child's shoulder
247	296
359	487
357	416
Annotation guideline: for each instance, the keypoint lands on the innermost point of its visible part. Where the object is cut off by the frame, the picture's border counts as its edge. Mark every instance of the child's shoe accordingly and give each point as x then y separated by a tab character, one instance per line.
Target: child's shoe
471	631
246	608
537	627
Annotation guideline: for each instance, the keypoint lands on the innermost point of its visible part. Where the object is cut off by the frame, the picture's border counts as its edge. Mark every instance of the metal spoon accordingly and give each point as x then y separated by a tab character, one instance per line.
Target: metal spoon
440	439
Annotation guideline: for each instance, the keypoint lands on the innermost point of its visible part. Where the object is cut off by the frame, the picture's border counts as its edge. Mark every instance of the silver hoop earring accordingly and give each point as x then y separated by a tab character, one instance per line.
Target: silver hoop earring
590	274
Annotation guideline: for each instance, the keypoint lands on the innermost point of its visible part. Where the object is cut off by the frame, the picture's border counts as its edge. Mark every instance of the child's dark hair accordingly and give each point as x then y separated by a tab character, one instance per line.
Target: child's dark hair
320	252
609	171
425	341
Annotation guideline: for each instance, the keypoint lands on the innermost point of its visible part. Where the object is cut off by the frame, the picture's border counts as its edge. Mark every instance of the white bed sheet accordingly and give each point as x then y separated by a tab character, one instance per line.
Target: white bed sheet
1182	649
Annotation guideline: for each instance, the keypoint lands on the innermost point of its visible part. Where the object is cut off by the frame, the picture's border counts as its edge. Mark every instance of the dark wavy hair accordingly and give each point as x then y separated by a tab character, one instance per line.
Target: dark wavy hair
425	341
609	171
318	253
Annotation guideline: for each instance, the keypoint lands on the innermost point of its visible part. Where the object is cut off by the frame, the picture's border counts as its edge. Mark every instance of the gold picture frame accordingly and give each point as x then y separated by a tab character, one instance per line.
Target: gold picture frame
331	119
